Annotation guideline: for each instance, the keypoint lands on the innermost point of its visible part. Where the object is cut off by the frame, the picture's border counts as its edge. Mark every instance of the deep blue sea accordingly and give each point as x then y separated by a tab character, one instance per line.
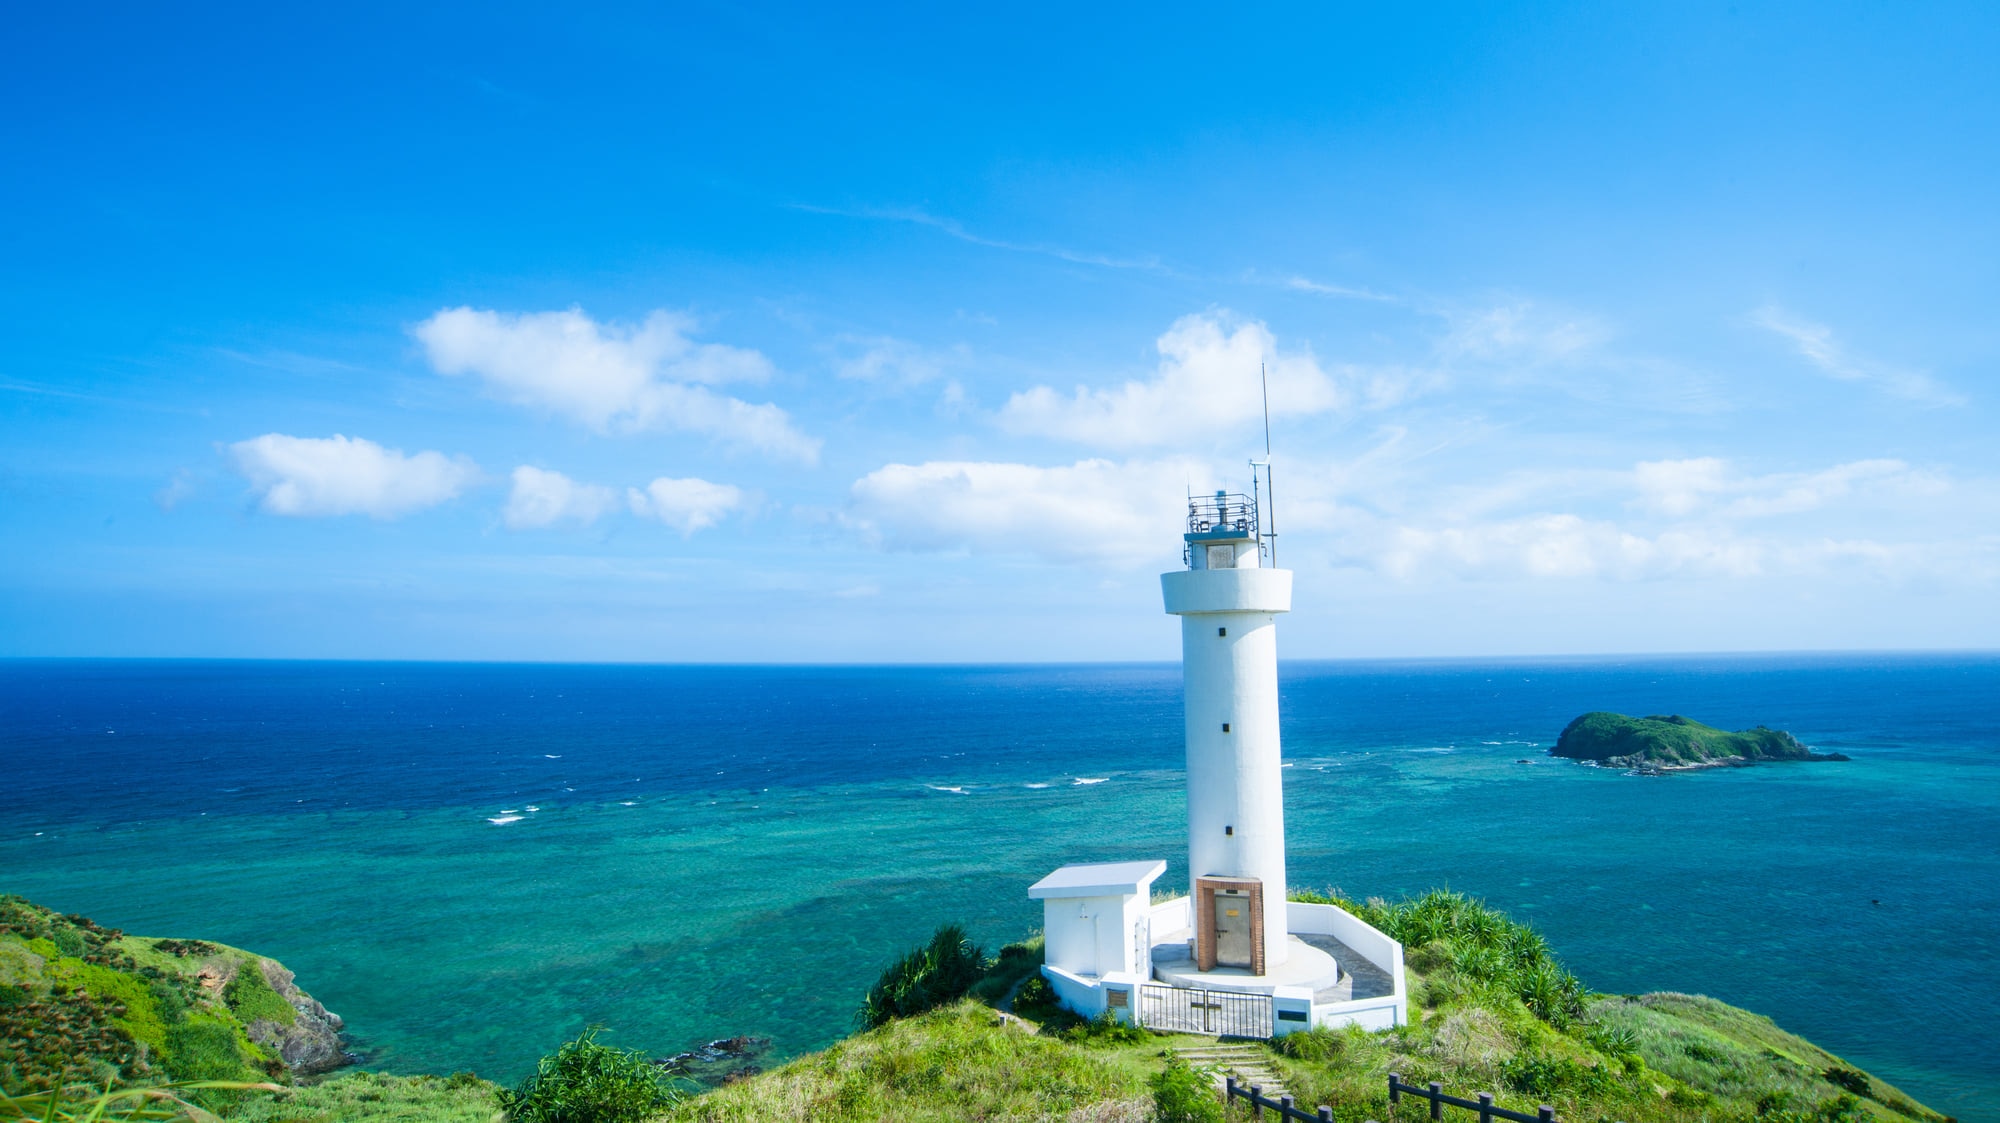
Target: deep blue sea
699	852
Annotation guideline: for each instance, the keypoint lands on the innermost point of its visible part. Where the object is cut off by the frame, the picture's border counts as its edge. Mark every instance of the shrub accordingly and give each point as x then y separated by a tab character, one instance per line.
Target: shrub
939	972
69	941
1015	964
1036	996
1320	1043
1547	1076
1183	1094
1485	948
251	996
586	1082
1104	1030
207	1047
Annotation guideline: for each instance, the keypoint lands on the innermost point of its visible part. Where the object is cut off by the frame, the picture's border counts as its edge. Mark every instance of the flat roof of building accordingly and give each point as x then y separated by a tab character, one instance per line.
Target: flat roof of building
1098	879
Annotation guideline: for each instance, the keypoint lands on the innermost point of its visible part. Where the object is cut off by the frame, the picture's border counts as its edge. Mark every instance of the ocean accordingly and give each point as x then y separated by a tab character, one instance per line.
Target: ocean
472	862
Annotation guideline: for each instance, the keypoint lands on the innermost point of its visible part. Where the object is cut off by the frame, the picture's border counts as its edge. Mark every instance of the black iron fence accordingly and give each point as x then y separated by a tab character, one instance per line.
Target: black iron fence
1483	1105
1283	1105
1434	1094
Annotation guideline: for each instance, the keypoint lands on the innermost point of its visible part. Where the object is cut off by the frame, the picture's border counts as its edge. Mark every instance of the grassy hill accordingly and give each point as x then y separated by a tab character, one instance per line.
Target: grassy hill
1674	742
1491	1009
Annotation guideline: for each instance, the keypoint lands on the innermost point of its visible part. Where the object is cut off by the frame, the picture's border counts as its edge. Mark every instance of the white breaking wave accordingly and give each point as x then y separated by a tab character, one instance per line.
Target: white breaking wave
503	820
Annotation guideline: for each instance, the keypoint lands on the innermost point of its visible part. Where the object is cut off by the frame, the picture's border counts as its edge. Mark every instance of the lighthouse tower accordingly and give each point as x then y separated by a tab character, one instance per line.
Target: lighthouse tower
1228	602
1234	957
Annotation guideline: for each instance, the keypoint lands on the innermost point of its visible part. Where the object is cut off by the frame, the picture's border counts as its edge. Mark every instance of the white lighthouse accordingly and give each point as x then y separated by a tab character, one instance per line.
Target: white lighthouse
1228	602
1233	957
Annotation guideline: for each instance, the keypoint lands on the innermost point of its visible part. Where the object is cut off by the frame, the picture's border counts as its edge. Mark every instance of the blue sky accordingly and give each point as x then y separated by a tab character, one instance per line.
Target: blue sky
713	333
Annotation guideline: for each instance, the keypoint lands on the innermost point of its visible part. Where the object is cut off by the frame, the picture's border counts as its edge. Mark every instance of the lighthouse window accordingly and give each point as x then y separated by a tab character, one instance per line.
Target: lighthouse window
1230	831
1225	727
1222	631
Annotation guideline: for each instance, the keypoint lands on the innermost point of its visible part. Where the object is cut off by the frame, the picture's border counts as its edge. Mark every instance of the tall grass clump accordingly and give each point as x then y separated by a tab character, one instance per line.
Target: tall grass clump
1481	945
938	973
585	1081
1184	1094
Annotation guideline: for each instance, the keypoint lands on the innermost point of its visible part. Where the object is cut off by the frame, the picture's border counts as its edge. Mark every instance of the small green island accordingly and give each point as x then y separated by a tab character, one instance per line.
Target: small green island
1674	743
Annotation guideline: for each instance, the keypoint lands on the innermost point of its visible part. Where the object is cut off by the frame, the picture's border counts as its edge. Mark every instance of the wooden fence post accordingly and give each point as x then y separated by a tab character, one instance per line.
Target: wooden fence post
1256	1101
1546	1114
1485	1107
1437	1104
1395	1089
1325	1114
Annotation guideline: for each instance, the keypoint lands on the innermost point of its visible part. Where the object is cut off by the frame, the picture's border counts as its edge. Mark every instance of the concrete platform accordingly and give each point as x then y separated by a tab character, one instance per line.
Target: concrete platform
1304	966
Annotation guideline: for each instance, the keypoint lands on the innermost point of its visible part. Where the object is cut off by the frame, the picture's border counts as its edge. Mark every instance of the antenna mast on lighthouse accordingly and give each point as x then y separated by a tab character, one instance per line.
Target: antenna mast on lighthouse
1269	499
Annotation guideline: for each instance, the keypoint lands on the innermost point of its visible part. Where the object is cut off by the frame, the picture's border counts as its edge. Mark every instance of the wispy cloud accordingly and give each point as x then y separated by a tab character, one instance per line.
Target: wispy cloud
1345	292
956	229
1817	344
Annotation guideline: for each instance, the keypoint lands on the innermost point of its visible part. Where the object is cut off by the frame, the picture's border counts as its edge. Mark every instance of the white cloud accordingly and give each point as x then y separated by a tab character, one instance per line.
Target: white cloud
1566	546
337	475
1696	518
1679	488
543	498
686	505
1817	344
1206	382
1093	511
612	377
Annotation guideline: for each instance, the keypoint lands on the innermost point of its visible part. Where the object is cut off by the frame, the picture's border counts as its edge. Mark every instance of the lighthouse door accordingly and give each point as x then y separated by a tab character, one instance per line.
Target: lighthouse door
1232	928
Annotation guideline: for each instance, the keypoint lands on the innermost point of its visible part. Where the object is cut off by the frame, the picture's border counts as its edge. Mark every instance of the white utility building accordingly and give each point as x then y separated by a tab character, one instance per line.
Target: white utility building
1233	956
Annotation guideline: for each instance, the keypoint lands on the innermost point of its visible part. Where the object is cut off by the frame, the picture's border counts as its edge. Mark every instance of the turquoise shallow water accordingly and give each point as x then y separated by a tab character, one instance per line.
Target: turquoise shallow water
723	851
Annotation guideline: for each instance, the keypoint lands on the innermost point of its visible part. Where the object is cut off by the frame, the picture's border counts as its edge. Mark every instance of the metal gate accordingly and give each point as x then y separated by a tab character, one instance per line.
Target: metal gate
1217	1013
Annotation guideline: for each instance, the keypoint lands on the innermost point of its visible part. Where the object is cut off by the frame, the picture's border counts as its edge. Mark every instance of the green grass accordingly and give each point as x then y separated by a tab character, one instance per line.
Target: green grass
953	1063
249	994
377	1097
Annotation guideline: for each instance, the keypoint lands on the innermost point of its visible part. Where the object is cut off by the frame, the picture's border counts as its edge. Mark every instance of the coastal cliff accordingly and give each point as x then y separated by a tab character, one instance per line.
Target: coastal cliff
79	1002
1674	743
